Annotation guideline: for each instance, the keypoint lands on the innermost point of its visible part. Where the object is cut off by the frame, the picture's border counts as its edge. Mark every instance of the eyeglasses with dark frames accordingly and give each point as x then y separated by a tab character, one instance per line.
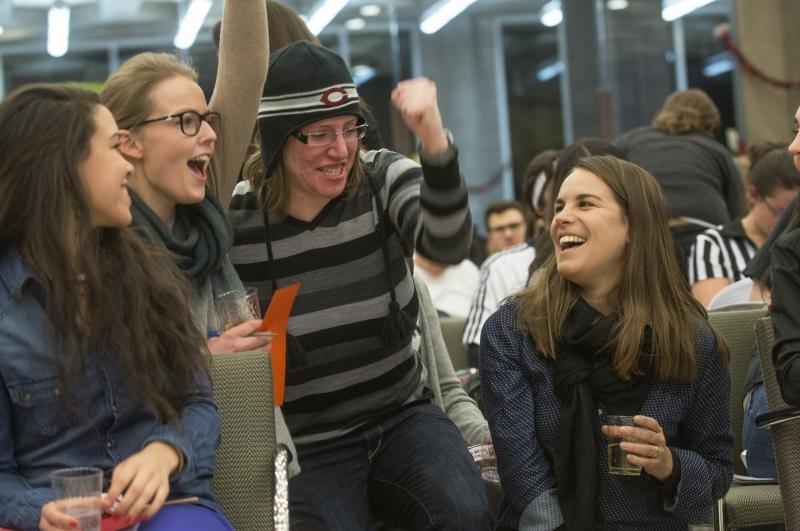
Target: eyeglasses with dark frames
327	137
190	121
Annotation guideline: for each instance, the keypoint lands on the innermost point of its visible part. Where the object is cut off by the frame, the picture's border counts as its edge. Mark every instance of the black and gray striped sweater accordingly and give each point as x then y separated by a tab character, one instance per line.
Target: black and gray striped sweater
349	380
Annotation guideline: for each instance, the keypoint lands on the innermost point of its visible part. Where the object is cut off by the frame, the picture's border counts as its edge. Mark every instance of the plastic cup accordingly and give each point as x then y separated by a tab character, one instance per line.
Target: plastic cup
78	492
237	306
617	457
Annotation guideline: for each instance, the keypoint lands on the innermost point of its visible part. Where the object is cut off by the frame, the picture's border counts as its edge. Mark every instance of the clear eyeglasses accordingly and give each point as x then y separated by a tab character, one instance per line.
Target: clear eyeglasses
327	137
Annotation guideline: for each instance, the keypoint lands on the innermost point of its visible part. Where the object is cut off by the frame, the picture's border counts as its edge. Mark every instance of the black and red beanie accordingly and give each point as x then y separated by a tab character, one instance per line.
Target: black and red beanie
305	83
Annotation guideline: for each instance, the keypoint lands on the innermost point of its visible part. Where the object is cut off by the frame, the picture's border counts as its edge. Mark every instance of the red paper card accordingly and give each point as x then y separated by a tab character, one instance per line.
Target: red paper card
276	320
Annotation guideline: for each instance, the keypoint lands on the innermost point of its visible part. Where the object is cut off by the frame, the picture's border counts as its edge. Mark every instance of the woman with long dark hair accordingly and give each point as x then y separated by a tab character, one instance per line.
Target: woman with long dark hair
100	360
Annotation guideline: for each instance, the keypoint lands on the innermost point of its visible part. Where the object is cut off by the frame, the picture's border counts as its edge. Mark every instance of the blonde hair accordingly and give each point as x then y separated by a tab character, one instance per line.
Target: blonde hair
685	111
127	91
651	292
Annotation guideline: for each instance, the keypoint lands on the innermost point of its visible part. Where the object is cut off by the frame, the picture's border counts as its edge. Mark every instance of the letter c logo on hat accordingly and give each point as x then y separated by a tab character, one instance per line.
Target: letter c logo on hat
335	97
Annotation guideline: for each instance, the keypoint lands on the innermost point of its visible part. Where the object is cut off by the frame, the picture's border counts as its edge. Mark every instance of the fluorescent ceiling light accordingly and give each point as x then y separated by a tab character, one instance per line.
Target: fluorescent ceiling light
718	64
673	9
435	17
550	15
355	24
191	22
362	74
58	30
370	10
617	5
549	71
323	13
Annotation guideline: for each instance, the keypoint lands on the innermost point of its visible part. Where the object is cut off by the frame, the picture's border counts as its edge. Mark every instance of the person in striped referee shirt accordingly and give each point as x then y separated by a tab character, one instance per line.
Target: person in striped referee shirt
719	255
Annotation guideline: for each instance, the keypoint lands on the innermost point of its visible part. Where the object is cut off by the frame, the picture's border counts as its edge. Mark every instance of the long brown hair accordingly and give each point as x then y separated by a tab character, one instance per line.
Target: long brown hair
103	287
651	292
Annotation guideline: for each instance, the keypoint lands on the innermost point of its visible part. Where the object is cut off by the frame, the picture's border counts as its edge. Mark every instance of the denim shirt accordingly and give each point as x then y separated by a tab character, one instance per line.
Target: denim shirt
107	426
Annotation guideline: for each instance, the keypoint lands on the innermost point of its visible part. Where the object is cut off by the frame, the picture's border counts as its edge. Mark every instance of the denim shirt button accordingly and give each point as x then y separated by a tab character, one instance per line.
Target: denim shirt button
27	397
109	444
114	408
57	391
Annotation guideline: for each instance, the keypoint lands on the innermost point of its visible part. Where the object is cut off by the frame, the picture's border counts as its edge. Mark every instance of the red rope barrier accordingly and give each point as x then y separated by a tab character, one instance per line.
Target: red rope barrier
723	34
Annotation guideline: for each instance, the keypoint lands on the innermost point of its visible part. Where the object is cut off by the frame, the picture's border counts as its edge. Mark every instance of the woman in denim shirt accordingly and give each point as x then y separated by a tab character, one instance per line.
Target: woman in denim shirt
100	361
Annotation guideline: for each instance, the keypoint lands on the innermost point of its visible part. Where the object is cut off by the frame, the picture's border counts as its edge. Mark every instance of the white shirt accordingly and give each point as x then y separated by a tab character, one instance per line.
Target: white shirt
452	291
501	275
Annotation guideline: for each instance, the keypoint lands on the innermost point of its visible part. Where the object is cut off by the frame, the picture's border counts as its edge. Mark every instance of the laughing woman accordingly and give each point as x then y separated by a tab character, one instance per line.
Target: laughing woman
609	328
186	155
100	359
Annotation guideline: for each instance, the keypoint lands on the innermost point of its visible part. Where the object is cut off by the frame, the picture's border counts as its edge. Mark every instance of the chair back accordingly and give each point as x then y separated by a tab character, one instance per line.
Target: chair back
453	331
785	436
738	328
244	477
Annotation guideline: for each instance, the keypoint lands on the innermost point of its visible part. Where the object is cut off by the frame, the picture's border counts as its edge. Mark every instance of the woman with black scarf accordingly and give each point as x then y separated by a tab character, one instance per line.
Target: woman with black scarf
609	328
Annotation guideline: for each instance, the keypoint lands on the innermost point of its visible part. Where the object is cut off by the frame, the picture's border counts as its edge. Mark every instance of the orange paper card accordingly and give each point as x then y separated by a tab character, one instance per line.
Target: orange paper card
275	320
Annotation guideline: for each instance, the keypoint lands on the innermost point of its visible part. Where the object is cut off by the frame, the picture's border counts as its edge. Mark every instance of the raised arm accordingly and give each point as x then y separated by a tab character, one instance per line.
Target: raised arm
243	55
430	206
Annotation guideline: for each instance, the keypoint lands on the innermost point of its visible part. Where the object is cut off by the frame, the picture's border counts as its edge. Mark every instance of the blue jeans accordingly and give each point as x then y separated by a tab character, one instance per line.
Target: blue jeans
186	517
412	471
758	441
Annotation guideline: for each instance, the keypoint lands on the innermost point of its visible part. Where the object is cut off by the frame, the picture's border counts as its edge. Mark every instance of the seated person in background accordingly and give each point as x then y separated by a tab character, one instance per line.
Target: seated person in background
318	210
785	307
451	286
720	255
509	271
701	184
100	358
506	226
537	189
448	393
608	328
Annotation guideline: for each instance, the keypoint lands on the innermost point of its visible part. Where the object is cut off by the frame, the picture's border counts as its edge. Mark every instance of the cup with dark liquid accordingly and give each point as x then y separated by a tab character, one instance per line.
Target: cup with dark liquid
617	457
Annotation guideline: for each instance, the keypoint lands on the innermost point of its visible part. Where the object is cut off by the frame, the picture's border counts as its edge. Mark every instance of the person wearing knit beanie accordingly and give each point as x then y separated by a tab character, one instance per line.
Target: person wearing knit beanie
320	210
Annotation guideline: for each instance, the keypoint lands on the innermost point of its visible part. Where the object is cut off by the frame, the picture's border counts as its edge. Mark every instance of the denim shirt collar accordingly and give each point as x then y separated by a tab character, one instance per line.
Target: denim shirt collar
15	272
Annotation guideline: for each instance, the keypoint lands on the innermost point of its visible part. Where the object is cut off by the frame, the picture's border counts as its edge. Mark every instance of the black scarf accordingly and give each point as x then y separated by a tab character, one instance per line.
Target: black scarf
200	239
583	380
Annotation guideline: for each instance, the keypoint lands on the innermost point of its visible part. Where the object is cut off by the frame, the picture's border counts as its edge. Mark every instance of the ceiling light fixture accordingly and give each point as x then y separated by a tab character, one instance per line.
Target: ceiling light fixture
323	13
551	15
191	22
370	10
617	5
550	70
435	17
673	9
58	30
355	24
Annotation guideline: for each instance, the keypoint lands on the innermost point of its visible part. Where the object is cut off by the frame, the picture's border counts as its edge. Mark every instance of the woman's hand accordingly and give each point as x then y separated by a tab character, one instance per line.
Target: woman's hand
52	518
646	446
143	481
415	99
239	338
